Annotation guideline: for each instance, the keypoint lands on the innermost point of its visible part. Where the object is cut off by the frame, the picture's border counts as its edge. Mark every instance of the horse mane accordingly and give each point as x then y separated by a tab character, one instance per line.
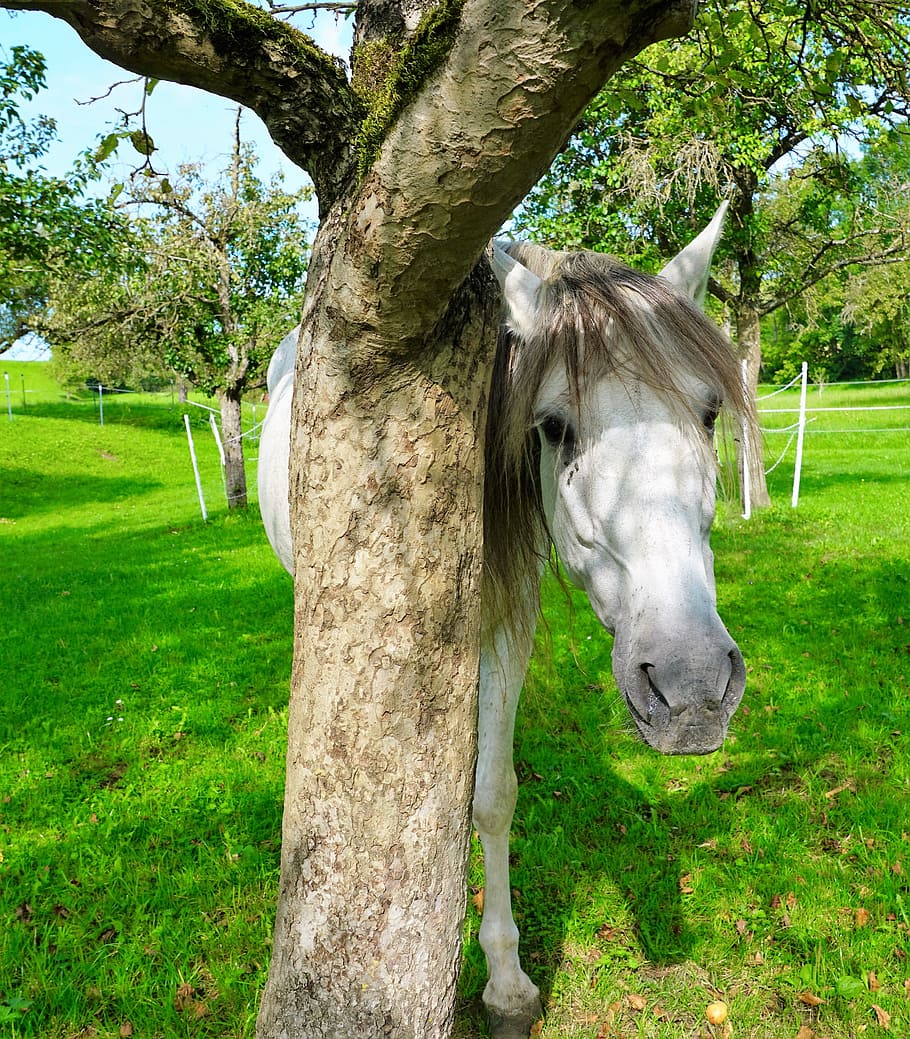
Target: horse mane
599	317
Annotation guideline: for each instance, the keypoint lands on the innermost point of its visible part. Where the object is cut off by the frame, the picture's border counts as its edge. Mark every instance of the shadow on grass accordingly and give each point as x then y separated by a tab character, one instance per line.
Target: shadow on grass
28	492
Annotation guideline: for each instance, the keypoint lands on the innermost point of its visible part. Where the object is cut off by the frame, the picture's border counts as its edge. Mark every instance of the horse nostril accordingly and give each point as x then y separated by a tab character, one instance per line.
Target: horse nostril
736	683
638	695
651	696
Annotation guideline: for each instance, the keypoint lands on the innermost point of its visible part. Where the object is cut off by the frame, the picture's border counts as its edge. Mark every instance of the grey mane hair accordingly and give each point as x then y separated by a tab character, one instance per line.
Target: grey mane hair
600	317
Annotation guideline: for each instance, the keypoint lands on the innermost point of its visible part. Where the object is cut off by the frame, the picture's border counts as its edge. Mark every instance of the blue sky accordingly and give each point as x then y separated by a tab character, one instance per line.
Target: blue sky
187	125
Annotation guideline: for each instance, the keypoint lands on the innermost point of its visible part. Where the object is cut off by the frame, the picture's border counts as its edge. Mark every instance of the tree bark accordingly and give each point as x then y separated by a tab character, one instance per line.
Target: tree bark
386	507
748	339
747	319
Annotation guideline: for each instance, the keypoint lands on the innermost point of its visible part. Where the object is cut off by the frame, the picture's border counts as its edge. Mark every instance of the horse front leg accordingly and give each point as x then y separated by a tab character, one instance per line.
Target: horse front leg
511	999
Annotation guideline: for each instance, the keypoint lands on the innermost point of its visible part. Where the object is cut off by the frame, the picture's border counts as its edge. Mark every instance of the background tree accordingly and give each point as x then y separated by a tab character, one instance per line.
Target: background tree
454	109
205	285
757	105
877	299
852	324
878	305
101	325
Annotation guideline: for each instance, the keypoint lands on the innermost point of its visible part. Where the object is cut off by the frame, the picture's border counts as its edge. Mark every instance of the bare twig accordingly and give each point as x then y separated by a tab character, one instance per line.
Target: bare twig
339	6
110	90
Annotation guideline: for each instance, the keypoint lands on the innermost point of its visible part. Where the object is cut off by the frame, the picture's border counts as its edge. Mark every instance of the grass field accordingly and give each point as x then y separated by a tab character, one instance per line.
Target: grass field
145	660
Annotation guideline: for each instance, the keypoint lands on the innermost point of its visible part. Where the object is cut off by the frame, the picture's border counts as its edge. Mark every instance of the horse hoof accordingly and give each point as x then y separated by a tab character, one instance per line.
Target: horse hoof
513	1026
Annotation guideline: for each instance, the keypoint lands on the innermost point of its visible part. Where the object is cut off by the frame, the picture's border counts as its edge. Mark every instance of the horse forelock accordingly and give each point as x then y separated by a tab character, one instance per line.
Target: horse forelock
597	317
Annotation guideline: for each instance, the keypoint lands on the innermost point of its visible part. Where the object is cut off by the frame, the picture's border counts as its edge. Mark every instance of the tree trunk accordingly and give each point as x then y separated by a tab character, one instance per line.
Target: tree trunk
232	443
748	338
386	507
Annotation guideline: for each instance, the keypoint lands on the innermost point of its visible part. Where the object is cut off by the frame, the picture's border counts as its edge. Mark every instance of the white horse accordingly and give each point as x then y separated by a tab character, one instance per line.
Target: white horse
600	443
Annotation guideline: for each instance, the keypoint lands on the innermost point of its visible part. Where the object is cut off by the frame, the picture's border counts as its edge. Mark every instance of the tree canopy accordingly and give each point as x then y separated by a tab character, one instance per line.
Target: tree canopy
204	281
755	97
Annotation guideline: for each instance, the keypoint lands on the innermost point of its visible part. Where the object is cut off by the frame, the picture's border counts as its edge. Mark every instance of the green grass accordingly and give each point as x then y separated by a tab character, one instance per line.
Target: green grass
145	660
29	382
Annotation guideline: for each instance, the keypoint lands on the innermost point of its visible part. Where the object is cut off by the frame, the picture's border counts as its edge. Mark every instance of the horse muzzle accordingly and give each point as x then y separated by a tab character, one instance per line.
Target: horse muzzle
682	702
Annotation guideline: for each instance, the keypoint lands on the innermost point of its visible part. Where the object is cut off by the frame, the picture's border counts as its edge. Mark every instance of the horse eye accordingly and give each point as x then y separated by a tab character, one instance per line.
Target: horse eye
558	433
711	413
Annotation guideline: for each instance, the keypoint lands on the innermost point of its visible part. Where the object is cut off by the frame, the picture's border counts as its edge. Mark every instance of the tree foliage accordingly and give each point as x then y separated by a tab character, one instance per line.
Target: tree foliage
757	105
46	223
205	280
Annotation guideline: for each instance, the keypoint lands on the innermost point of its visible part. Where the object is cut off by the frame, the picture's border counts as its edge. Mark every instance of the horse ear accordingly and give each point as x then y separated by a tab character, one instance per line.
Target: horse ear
520	290
688	271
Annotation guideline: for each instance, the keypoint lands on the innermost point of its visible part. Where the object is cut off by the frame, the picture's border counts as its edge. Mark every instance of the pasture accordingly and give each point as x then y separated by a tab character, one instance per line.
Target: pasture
145	660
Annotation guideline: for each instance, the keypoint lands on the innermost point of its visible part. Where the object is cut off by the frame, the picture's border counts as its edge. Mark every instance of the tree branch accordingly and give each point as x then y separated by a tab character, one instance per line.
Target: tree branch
238	51
720	292
488	96
482	130
338	6
894	253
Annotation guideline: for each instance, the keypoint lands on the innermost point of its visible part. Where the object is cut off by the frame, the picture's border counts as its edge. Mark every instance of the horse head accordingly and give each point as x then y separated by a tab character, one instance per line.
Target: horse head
623	379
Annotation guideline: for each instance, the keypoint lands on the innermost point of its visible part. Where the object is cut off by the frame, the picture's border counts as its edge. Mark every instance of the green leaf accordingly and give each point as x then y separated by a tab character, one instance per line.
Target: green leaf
18	1005
807	974
150	85
107	147
141	141
849	987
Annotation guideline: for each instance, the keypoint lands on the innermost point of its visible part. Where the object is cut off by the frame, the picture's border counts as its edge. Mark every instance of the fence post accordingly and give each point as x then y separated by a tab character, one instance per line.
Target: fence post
217	437
801	429
100	403
9	403
744	434
189	437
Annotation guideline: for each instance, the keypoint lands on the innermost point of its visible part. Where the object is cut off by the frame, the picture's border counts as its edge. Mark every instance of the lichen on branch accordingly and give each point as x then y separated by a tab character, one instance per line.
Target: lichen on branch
238	25
387	81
